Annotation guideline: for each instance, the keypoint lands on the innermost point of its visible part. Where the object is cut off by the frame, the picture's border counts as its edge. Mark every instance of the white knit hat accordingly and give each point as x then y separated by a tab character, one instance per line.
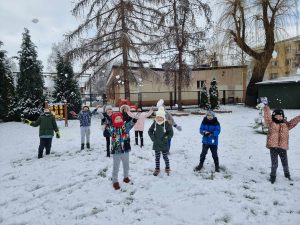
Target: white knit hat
160	103
161	112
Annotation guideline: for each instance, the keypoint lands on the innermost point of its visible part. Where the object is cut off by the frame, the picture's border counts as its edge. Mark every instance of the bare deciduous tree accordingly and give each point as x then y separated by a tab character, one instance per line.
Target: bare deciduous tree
121	29
240	17
186	22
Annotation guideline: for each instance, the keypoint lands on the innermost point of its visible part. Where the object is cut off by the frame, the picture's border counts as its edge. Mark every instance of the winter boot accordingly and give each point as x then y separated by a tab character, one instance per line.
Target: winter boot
199	167
217	168
156	172
168	171
288	176
126	180
116	185
82	146
272	179
142	142
88	145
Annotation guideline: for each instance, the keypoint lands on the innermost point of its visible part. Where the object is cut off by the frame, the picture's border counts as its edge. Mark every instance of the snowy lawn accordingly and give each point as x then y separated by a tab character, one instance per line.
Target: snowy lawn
74	187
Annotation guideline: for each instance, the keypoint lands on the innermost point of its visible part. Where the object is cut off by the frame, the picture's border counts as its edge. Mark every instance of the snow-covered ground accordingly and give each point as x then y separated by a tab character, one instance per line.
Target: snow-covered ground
74	187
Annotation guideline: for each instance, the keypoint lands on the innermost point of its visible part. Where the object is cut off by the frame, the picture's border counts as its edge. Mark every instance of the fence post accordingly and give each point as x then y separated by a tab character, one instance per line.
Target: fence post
66	113
171	99
139	99
224	97
199	98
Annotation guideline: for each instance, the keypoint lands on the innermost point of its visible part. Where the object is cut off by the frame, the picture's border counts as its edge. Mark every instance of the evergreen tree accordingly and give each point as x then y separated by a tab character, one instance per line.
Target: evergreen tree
7	89
214	94
66	87
30	80
204	97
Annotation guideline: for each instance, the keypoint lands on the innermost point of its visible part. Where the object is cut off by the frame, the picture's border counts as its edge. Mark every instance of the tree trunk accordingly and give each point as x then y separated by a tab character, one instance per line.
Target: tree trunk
180	72
257	76
125	55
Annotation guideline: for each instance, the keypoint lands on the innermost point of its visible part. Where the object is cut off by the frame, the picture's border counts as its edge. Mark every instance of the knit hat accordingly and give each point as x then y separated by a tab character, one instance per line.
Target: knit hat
210	113
161	112
114	116
107	107
160	103
277	112
85	106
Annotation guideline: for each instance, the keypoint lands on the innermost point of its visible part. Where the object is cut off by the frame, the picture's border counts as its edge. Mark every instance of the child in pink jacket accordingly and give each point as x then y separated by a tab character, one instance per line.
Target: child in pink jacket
139	126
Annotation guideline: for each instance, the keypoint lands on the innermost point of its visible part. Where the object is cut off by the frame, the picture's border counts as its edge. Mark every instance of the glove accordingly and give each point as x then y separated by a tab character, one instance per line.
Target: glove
260	106
207	133
178	127
264	100
134	120
27	121
57	134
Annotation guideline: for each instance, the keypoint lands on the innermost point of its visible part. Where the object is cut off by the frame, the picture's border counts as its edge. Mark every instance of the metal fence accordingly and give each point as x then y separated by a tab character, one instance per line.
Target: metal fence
188	97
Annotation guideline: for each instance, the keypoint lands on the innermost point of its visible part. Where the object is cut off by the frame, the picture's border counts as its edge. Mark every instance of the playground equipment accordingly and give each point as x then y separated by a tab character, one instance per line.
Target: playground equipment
59	110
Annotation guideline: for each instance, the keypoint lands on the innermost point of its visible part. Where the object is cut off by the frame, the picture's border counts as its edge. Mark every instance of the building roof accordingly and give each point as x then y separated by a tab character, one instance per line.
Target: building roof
290	79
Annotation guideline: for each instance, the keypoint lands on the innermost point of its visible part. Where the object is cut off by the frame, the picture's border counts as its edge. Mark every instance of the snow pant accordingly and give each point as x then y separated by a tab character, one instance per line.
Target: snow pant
85	134
157	159
214	152
274	152
137	133
117	158
44	143
107	146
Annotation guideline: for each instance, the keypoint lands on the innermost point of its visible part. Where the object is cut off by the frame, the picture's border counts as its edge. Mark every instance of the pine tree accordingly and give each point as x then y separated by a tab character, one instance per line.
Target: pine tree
204	97
214	94
66	87
7	89
30	80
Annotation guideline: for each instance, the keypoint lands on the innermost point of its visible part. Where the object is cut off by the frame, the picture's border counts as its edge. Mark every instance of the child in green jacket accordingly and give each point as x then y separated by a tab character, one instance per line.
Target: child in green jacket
47	124
160	132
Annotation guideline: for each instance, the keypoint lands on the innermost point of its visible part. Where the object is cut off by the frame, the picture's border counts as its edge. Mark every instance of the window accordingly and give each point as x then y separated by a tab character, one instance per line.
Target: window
200	84
274	63
298	47
288	62
287	49
274	75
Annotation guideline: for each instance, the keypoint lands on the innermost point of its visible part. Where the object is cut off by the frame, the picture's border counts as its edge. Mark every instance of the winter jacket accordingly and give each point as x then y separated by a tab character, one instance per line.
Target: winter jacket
107	122
47	124
120	141
141	117
278	133
160	134
85	117
212	126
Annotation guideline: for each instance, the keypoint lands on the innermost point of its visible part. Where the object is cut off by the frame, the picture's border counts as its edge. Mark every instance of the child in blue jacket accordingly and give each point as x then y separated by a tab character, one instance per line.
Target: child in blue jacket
210	129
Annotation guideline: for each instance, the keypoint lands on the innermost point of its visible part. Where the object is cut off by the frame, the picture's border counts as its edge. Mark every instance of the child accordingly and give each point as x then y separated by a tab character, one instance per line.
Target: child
160	132
139	126
210	129
120	147
85	124
47	124
107	123
170	120
278	139
126	113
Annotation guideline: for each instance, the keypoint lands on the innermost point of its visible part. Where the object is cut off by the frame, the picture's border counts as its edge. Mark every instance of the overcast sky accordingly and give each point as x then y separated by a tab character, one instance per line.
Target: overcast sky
54	20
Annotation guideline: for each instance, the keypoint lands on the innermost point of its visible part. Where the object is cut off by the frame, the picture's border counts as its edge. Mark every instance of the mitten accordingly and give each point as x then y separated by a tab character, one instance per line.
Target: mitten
27	121
57	134
178	127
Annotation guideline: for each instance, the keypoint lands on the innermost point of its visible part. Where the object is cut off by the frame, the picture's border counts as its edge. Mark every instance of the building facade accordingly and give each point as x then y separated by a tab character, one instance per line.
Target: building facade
150	84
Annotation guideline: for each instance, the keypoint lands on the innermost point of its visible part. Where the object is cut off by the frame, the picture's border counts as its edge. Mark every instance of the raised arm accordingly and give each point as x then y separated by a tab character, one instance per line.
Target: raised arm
267	115
149	113
293	122
36	123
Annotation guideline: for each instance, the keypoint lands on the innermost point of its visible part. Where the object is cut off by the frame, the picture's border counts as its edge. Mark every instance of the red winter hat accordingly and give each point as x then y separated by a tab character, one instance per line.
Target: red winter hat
115	114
